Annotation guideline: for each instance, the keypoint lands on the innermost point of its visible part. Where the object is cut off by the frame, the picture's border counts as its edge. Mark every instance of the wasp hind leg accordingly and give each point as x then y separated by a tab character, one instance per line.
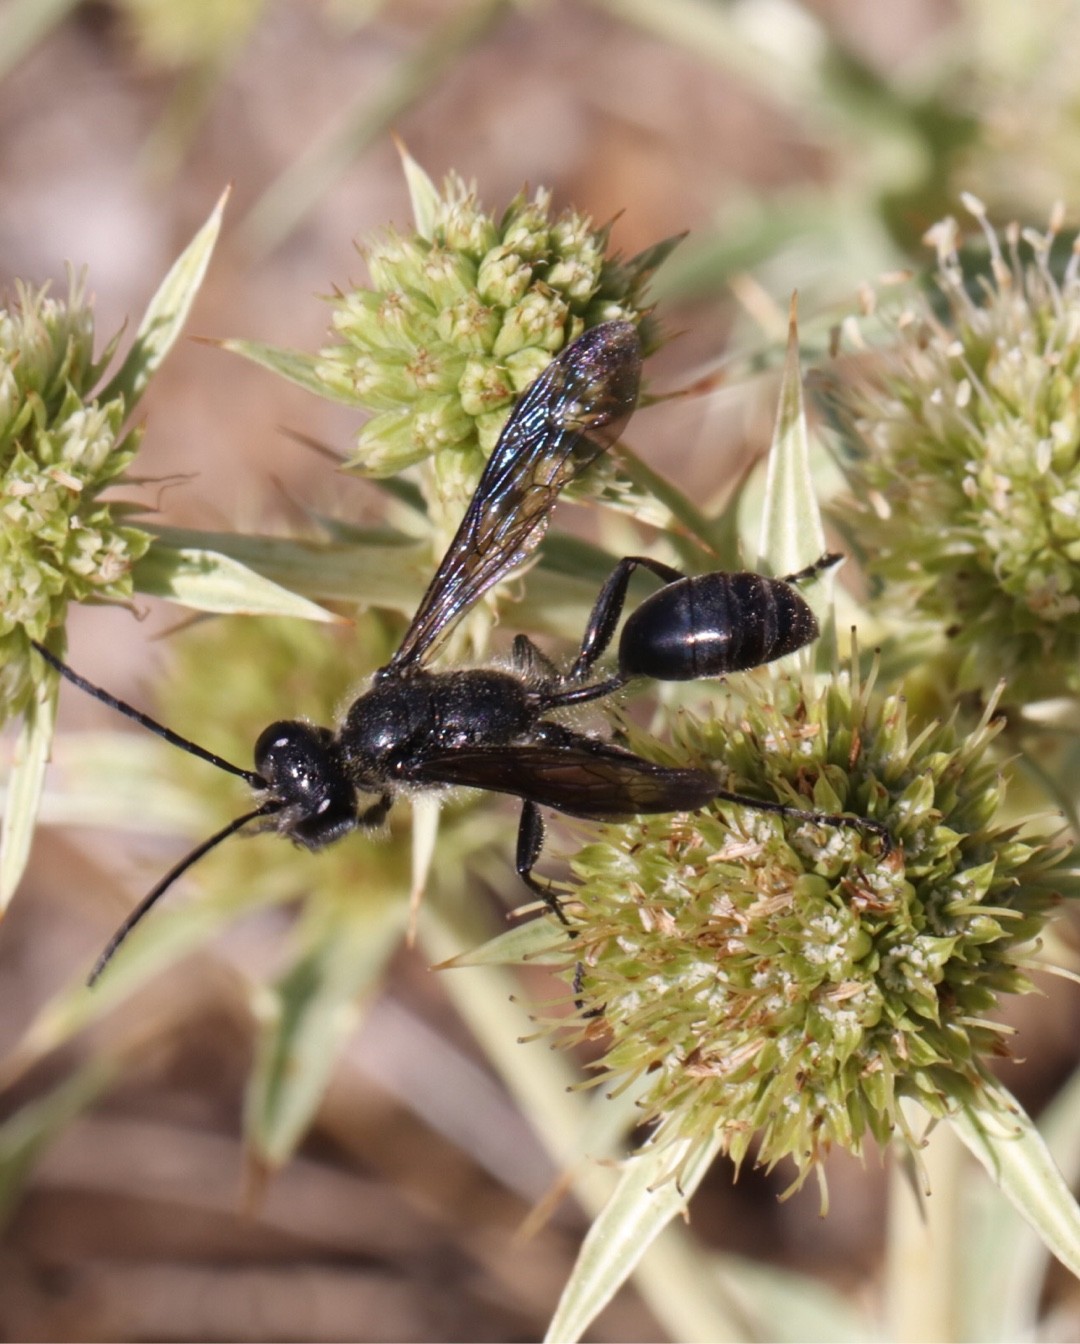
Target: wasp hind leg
820	566
608	608
603	620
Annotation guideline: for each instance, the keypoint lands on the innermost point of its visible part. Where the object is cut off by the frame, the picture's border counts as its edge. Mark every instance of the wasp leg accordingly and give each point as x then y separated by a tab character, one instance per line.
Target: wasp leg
820	565
531	662
608	608
530	841
598	635
376	814
579	993
854	823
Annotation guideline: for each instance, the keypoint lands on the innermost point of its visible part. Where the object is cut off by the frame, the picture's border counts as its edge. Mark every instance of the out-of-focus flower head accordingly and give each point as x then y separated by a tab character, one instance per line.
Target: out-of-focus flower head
966	467
60	446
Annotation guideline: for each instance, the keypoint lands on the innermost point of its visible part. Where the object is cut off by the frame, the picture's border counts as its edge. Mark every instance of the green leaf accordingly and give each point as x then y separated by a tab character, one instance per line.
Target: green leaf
373	575
24	787
155	945
646	1199
700	542
999	1132
791	535
726	533
25	1135
1004	1260
403	492
426	812
566	554
142	797
650	259
787	1307
538	1078
924	1235
534	942
580	1129
311	1012
293	365
389	577
167	312
207	580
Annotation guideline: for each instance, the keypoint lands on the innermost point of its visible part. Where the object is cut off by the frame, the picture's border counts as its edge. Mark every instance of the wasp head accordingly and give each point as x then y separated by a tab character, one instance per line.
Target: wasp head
302	769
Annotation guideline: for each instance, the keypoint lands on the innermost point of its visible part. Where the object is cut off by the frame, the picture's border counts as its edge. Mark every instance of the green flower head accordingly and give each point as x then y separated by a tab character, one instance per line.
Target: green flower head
967	463
461	317
59	448
784	983
463	313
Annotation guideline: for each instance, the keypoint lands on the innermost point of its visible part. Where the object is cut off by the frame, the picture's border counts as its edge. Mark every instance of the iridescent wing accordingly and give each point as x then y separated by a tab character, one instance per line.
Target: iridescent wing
573	412
583	778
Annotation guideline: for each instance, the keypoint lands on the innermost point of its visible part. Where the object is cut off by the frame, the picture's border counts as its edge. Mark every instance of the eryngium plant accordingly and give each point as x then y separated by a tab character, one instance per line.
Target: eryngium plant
60	446
462	315
782	985
464	311
967	466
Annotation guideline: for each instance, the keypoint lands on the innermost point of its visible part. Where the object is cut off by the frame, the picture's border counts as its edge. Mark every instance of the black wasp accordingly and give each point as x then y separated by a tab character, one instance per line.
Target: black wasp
490	727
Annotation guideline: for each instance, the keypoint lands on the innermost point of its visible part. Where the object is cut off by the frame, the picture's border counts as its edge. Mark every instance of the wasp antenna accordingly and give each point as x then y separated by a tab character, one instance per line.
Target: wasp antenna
178	870
174	739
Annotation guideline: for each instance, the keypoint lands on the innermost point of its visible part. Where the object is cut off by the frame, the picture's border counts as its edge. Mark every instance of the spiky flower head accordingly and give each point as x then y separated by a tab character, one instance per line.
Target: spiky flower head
967	463
784	984
462	315
60	446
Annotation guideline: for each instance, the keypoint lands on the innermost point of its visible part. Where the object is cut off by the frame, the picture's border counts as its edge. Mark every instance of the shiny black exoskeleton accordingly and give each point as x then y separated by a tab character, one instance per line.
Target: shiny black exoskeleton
388	734
492	728
489	728
712	624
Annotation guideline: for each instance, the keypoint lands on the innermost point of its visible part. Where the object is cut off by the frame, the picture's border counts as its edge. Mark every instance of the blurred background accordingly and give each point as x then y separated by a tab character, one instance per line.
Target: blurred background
802	146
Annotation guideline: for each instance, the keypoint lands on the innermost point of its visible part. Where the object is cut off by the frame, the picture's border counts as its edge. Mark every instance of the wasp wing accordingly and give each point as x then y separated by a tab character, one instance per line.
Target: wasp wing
581	777
573	412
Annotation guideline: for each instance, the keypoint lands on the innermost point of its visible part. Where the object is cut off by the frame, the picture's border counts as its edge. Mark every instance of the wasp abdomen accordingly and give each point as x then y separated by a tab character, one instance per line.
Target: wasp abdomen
710	624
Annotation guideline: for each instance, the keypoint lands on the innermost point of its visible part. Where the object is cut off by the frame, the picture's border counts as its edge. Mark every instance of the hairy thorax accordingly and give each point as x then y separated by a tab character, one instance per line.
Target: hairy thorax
403	719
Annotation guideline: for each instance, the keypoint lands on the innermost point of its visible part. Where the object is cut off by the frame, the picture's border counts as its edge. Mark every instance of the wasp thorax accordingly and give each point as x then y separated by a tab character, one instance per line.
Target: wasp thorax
303	770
